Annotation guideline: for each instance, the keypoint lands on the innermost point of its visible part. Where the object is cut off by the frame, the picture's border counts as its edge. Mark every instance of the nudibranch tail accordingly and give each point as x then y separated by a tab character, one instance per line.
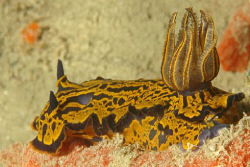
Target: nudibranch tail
192	62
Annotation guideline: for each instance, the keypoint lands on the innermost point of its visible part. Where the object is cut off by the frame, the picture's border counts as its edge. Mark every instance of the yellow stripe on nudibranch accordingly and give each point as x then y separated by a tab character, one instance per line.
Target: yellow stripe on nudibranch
183	108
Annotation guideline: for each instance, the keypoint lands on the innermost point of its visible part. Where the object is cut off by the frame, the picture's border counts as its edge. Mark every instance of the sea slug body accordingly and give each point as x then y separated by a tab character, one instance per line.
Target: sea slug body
181	108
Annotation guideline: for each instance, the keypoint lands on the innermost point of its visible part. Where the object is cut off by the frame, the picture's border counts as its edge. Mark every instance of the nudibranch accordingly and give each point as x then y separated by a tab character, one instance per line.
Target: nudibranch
182	108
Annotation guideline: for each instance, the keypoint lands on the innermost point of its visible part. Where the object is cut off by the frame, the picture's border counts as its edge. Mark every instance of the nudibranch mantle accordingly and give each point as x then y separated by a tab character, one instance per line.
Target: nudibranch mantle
181	108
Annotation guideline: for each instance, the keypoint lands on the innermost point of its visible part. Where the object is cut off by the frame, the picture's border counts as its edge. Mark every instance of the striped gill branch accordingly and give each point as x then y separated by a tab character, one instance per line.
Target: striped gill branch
192	63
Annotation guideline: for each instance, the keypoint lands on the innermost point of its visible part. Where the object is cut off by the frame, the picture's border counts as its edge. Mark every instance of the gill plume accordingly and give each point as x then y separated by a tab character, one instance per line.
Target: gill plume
192	62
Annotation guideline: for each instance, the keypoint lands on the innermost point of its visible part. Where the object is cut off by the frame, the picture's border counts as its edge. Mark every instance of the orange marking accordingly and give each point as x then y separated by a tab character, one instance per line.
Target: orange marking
30	33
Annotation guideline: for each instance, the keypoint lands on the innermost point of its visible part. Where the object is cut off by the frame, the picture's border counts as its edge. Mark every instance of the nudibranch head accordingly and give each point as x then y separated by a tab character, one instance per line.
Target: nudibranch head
192	62
51	125
51	129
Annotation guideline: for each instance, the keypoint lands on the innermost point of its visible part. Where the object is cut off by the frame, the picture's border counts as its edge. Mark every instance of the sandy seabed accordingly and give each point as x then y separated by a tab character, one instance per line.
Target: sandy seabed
119	39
